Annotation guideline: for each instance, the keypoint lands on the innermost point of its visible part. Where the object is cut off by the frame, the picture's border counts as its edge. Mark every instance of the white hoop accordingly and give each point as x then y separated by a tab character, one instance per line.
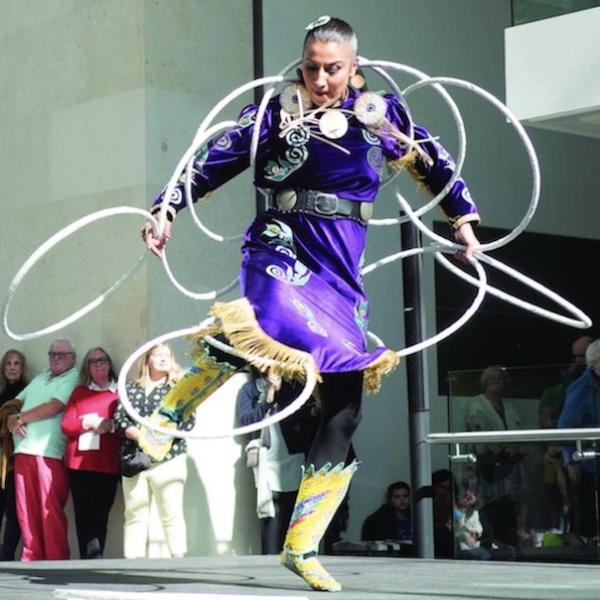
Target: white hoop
533	161
48	245
200	133
262	107
279	416
583	321
462	142
481	283
198	143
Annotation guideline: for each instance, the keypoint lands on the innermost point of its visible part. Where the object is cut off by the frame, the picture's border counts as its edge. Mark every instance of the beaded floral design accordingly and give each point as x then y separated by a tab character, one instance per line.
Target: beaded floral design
293	98
280	236
370	109
311	321
294	157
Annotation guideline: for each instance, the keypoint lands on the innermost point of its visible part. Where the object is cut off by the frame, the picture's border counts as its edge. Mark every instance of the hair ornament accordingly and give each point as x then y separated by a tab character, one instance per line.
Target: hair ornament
322	20
291	97
370	109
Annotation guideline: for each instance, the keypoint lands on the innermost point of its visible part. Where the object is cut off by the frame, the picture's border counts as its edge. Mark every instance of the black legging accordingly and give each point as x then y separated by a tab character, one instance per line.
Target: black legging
12	531
341	395
93	495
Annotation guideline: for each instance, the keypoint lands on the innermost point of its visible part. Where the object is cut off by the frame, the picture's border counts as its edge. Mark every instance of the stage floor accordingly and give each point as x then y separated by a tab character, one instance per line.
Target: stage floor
260	576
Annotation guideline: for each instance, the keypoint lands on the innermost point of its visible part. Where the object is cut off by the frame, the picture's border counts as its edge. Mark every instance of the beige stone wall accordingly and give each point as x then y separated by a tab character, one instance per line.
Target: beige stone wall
99	100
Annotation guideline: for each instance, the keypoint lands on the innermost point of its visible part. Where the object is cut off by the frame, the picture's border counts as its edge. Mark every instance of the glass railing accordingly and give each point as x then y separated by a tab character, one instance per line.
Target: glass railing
518	499
526	11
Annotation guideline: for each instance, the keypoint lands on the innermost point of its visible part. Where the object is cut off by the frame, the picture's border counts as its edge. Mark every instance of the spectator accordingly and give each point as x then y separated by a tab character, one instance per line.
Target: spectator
582	409
276	455
499	471
391	521
456	526
553	398
442	488
162	481
92	454
40	476
12	380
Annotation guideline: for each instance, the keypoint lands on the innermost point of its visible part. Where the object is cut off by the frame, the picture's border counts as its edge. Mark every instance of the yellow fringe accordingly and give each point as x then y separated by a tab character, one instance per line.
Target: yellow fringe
399	164
383	365
237	321
418	178
408	162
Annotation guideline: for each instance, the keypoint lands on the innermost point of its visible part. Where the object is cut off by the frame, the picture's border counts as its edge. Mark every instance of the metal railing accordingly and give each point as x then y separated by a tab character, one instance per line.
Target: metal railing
517	436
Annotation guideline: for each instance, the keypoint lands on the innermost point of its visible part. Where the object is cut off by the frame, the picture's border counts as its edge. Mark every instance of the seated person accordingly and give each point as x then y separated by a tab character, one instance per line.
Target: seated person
391	521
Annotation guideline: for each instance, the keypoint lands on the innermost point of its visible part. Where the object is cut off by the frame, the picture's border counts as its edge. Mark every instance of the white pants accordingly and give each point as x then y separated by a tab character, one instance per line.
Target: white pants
164	483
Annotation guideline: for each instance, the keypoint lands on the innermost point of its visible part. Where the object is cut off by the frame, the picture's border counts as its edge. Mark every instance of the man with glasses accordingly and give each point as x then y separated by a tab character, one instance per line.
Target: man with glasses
41	486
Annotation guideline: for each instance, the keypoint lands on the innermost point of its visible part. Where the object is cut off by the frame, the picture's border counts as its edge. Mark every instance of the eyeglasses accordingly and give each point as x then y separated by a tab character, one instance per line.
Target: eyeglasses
98	361
60	355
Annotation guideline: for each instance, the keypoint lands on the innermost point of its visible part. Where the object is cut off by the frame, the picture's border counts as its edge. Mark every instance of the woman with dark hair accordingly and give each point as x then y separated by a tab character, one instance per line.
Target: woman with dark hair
92	450
12	380
321	150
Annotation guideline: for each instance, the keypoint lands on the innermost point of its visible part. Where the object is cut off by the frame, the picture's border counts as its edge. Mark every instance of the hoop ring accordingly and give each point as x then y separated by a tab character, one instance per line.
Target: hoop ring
58	237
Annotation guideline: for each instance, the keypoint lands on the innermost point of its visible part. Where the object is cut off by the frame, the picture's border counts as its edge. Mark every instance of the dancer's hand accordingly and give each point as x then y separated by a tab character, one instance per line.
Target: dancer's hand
153	242
465	235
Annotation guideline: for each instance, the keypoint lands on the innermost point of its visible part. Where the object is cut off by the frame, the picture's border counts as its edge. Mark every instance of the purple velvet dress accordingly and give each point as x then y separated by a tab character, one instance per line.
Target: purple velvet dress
301	272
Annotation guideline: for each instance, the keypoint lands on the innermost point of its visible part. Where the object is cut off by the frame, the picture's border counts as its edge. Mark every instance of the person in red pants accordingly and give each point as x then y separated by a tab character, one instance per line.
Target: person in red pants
41	486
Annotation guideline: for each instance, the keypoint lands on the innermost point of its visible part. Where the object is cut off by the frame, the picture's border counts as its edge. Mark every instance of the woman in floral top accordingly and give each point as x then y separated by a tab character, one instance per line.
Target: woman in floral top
162	481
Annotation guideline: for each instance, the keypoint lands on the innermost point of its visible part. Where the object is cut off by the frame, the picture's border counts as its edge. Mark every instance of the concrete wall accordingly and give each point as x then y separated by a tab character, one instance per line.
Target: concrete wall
549	67
100	99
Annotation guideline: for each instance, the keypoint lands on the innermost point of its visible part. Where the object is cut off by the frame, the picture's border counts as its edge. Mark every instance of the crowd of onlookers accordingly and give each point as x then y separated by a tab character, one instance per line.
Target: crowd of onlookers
515	494
66	431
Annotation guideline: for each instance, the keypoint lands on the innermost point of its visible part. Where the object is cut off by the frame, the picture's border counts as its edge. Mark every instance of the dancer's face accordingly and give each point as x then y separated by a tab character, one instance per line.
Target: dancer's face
13	368
326	70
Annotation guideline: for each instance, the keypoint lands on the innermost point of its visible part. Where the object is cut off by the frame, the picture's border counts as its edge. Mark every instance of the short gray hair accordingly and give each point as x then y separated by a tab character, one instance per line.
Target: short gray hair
73	350
333	30
592	353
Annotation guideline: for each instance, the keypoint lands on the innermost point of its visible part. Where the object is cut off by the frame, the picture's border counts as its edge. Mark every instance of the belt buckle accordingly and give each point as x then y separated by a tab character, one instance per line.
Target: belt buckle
286	200
325	204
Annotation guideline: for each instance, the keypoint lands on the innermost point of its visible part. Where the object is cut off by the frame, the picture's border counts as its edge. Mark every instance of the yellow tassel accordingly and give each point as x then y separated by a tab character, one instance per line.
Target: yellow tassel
237	321
399	164
383	365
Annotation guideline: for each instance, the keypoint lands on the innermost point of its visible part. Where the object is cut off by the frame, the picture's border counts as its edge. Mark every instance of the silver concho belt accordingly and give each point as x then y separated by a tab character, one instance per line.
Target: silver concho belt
321	204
